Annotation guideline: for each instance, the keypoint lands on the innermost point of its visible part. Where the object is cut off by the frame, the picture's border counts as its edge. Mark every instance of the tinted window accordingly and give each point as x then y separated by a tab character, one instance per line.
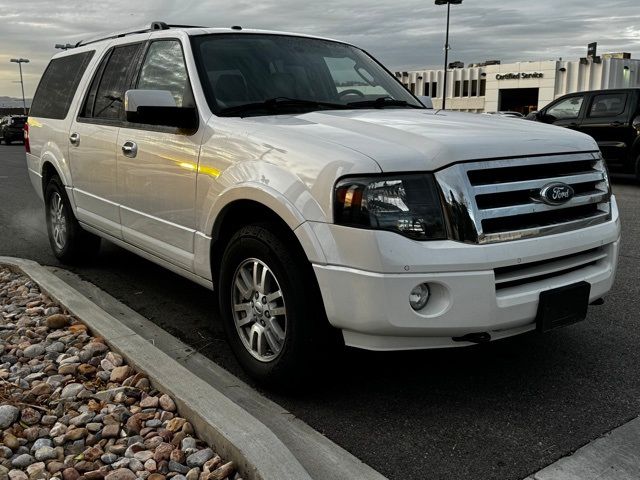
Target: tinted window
568	108
164	69
116	79
608	105
58	86
251	68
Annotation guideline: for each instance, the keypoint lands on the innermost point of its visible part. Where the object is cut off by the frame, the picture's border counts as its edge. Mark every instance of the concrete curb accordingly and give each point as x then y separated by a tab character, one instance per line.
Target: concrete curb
237	435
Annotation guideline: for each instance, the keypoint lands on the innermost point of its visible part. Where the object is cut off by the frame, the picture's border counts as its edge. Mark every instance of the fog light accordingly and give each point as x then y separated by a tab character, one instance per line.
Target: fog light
419	297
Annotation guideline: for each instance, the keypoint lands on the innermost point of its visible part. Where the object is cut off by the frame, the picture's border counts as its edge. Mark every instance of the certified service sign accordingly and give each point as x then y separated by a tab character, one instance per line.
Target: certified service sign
518	76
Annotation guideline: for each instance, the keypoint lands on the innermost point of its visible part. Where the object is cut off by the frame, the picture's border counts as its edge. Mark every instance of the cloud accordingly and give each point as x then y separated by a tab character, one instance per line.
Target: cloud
403	35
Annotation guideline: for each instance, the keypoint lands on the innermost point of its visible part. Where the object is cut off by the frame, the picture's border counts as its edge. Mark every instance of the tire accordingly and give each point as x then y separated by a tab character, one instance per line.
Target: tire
69	242
287	329
636	170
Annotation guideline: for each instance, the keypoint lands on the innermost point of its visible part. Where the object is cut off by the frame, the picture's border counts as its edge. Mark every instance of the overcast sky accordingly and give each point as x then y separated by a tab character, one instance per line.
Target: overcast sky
402	34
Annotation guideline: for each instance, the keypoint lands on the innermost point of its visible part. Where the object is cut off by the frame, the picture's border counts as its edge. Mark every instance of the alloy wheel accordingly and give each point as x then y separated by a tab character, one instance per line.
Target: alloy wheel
58	221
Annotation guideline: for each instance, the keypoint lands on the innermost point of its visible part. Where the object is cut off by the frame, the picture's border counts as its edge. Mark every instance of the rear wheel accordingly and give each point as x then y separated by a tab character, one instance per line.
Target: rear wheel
272	316
637	168
69	242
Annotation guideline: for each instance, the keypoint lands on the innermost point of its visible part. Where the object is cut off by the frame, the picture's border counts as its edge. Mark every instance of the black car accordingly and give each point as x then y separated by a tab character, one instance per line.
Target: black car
611	117
12	129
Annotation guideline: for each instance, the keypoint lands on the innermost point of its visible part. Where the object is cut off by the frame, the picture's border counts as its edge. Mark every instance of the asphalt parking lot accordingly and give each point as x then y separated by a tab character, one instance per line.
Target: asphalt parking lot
499	411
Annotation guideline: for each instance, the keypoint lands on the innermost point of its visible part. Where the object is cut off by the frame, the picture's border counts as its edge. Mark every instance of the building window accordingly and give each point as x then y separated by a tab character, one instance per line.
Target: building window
456	91
483	88
474	88
413	88
427	88
465	88
434	89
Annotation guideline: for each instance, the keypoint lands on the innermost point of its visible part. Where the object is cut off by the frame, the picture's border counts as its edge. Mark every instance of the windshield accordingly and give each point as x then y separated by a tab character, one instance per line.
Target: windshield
241	71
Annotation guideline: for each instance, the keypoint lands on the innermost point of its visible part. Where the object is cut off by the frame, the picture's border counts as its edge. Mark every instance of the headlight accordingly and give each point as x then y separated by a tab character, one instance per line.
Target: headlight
406	204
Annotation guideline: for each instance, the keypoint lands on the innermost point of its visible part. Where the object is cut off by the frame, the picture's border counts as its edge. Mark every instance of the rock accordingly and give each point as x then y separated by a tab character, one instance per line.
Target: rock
193	474
84	466
156	476
177	467
55	467
86	369
33	351
109	458
188	444
177	456
211	465
135	465
77	328
198	458
57	430
72	390
37	471
46	453
57	321
153	423
41	389
223	472
75	434
149	402
120	374
41	442
166	403
121	474
70	474
114	358
95	348
22	461
150	465
163	451
95	475
8	415
111	431
143	456
30	416
10	441
92	454
175	424
17	475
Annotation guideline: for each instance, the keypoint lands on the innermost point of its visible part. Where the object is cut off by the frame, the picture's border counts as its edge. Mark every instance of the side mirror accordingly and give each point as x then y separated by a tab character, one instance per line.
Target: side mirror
158	107
425	100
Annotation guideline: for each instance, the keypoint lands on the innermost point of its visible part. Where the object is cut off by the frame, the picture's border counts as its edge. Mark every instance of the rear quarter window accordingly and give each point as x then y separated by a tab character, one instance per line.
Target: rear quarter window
58	86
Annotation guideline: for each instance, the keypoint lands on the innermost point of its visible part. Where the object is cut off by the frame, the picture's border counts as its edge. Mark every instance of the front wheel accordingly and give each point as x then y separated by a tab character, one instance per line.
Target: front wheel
69	242
271	312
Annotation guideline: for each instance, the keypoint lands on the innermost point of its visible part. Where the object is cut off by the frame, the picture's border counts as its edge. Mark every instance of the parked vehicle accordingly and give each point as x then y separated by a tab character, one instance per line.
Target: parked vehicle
611	117
318	214
12	129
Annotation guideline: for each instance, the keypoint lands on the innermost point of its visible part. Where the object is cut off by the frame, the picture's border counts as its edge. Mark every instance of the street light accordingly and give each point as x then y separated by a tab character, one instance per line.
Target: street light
448	3
20	61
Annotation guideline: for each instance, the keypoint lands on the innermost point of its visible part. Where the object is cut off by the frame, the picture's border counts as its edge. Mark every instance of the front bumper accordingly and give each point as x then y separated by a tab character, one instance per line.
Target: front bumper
368	297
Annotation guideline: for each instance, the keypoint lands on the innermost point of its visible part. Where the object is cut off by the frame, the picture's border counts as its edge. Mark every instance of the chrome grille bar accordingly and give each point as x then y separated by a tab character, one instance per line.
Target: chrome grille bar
499	200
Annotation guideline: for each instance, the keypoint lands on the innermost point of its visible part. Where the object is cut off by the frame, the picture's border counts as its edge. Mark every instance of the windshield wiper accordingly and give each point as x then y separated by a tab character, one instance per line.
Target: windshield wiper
382	102
278	103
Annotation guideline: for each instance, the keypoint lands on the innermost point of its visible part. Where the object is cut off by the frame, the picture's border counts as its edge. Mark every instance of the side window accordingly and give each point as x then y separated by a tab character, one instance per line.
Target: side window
58	86
566	109
608	105
164	69
116	79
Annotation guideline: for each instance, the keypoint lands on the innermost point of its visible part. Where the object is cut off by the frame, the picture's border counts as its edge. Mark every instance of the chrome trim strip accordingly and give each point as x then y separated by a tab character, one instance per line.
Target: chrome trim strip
533	184
535	207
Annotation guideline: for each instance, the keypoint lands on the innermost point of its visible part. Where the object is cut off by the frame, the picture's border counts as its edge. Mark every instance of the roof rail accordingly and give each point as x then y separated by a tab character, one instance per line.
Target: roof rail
132	31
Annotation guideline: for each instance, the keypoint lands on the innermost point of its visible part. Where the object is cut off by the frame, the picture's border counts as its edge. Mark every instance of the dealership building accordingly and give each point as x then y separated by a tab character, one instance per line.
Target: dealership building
522	86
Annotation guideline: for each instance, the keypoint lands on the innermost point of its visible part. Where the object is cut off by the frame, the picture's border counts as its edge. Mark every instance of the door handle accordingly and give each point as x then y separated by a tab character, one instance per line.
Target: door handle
572	125
130	149
74	138
616	124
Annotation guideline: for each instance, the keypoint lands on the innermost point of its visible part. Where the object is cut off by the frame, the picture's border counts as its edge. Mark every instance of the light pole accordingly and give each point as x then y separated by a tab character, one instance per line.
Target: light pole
448	3
20	61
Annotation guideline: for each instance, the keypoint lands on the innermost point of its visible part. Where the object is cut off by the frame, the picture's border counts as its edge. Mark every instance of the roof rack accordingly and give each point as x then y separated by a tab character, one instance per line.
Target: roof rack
132	31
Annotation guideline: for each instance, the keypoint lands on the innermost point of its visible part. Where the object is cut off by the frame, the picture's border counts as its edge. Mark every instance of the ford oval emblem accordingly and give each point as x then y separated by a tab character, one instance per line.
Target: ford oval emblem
556	193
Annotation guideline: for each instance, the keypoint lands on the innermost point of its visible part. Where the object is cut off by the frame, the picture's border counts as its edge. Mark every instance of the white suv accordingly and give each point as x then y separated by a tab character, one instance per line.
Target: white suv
321	200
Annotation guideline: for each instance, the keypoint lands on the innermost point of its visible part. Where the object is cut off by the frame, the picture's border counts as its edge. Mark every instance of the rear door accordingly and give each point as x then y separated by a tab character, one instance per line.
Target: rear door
93	136
157	179
608	121
566	112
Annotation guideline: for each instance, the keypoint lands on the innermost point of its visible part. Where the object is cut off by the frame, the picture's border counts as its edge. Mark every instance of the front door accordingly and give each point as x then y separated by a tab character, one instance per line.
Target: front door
93	137
566	112
608	121
157	166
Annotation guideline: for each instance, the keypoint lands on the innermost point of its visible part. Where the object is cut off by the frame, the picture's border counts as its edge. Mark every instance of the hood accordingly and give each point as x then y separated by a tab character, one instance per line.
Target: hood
415	140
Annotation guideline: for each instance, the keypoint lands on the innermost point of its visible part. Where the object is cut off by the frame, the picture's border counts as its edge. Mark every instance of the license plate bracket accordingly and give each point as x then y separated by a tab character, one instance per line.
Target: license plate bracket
563	306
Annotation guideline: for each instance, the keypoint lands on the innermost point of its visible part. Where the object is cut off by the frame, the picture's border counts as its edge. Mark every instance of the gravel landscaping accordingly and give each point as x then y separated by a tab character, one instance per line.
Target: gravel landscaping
70	408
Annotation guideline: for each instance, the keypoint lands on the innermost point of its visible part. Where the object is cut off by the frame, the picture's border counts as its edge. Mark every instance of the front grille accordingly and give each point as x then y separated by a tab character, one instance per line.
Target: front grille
522	274
500	199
